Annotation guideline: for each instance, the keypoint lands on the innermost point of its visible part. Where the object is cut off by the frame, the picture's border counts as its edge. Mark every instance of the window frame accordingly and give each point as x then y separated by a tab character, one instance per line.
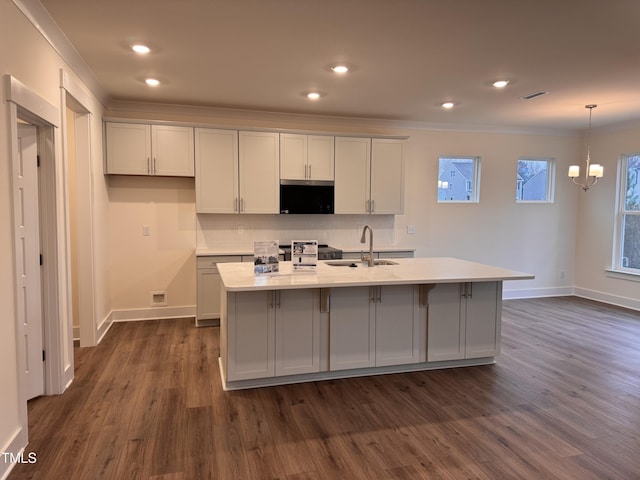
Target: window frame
475	181
551	179
621	213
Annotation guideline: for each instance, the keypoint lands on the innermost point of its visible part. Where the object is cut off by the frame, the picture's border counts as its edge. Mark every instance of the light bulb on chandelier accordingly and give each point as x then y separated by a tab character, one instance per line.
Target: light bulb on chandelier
592	172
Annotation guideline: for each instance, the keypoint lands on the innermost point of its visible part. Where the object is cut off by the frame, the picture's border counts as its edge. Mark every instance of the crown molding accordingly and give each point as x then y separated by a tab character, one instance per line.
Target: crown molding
35	12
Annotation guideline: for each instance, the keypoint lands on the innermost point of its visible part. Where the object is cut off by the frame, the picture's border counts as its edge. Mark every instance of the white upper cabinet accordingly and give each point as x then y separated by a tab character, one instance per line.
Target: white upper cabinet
216	171
259	170
141	149
387	176
369	175
237	172
306	157
353	177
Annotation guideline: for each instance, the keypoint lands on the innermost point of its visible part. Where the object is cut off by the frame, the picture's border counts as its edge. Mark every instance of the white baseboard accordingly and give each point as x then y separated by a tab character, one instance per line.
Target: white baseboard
104	327
538	293
16	444
631	303
153	313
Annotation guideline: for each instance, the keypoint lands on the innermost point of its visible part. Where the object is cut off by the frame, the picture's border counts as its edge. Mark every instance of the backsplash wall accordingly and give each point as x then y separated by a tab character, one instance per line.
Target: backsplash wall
240	231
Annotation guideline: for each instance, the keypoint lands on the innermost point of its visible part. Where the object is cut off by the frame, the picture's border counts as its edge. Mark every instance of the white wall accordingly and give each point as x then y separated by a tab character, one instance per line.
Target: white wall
596	224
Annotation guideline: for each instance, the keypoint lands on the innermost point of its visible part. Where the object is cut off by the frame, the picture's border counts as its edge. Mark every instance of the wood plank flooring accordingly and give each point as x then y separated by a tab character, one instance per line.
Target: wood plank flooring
562	402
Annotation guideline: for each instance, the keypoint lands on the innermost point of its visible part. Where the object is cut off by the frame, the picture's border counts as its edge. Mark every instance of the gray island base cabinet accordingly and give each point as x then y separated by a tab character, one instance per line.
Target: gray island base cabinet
339	323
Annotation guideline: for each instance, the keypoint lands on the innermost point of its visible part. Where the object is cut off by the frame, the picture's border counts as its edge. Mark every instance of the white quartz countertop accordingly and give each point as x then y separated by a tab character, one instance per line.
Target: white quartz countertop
238	277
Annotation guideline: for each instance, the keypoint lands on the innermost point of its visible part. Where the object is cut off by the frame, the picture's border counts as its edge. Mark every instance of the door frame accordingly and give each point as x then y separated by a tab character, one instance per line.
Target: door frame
25	104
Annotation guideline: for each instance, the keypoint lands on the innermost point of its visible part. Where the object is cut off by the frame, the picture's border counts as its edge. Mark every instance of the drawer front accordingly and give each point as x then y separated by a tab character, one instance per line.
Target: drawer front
210	261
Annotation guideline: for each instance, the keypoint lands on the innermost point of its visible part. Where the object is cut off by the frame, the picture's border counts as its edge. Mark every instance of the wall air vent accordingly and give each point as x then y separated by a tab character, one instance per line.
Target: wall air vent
534	95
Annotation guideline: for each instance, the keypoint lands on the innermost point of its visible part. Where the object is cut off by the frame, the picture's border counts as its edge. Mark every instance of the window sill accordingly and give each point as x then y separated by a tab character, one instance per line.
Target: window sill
622	274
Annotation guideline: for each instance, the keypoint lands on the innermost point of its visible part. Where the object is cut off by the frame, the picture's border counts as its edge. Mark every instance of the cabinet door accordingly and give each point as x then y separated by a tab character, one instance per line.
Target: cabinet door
297	331
128	148
387	176
352	328
216	171
320	157
483	301
445	327
397	325
259	172
208	294
250	335
173	150
352	171
293	156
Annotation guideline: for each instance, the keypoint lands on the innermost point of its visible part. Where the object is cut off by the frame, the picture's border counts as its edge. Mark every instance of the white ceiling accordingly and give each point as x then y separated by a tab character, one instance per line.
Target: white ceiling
407	57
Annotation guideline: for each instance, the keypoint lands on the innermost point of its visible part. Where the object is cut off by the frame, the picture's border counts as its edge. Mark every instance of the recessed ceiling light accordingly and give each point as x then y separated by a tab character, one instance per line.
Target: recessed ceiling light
448	105
340	69
501	83
313	95
152	82
141	49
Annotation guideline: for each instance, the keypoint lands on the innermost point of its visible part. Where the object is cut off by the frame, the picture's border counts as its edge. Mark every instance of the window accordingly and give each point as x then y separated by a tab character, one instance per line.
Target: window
534	181
458	179
628	224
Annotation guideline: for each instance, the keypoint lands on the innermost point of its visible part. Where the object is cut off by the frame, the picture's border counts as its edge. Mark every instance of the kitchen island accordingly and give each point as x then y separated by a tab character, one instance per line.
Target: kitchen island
346	319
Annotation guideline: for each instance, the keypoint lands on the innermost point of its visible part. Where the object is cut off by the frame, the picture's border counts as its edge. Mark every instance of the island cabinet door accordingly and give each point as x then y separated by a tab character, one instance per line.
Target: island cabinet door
250	335
483	322
397	325
352	328
297	331
445	327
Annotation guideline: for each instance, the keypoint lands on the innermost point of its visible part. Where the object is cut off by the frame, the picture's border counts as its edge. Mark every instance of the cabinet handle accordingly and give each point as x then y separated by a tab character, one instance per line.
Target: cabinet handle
271	294
149	165
379	294
367	206
154	169
277	299
470	290
241	204
305	172
235	204
309	171
373	206
463	290
372	295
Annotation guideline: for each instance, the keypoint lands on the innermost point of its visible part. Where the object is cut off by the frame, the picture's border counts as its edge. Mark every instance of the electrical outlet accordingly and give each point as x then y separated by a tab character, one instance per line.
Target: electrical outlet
561	274
146	230
411	229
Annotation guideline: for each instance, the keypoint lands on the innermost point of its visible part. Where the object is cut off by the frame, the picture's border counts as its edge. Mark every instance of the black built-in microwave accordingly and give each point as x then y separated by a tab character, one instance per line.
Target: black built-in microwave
306	196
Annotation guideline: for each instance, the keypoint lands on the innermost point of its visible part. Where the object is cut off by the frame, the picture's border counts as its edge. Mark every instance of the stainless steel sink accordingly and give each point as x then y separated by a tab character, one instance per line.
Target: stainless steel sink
358	263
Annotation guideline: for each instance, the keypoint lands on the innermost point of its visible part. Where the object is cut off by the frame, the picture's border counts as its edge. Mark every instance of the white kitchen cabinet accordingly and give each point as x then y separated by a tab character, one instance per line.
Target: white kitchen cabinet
208	288
250	335
374	326
352	335
464	321
259	171
397	325
272	333
217	176
237	172
297	326
306	157
369	175
357	255
143	149
353	177
387	176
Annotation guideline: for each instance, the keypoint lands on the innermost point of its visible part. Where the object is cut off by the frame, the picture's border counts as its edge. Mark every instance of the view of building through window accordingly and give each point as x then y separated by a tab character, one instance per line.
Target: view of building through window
630	212
457	179
533	180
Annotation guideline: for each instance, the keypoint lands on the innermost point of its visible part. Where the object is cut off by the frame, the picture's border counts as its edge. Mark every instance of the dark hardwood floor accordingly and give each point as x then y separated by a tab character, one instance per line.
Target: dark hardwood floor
562	402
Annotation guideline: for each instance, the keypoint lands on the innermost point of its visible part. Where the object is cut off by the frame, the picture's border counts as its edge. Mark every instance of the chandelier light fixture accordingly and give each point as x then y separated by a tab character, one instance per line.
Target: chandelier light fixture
592	172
